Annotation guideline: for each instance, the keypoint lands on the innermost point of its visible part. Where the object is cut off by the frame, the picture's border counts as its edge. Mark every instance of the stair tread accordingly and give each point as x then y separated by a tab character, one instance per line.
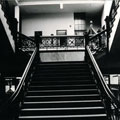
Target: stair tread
62	85
63	111
64	116
63	104
62	90
61	63
62	96
69	108
65	74
52	82
77	101
61	70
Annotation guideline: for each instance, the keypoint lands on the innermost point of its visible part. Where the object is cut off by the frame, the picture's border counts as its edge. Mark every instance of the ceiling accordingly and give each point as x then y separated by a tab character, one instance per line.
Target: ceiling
53	6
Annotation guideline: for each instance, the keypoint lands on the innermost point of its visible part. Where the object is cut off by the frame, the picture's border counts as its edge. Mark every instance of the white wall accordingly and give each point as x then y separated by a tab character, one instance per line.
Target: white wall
106	11
62	56
48	23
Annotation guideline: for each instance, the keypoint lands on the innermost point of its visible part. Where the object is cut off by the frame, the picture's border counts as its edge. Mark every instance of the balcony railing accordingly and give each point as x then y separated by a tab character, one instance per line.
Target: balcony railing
52	43
62	41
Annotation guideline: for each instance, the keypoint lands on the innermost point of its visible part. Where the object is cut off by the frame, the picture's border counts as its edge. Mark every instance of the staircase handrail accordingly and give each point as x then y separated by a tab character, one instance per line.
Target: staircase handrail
98	42
23	78
103	85
21	85
98	34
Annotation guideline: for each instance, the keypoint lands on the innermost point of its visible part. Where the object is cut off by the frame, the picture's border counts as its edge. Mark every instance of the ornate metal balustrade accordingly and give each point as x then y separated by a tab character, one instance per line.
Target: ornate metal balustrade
25	43
98	42
48	42
51	42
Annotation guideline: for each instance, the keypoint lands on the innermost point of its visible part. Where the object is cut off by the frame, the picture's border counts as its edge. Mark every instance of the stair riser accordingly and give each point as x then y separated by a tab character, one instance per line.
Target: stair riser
62	93
61	87
63	112
55	105
62	70
65	82
62	65
32	99
62	78
62	74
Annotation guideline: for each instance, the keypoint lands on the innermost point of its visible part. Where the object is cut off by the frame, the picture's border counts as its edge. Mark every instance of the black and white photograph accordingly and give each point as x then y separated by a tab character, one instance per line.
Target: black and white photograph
59	60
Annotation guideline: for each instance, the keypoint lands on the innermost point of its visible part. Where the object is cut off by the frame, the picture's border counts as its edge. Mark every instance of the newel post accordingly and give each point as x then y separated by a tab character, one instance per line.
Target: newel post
15	23
37	40
108	32
2	86
86	35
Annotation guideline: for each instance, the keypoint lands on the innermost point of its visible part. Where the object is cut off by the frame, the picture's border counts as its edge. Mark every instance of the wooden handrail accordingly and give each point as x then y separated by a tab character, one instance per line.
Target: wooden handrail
107	91
25	73
95	36
21	83
57	36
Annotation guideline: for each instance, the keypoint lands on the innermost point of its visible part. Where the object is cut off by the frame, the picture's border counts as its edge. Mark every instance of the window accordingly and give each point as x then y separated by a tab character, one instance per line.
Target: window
79	23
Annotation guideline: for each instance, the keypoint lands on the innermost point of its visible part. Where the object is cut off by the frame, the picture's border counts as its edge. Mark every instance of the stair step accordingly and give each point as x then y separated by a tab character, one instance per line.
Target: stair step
63	74
61	67
62	82
63	111
64	87
62	64
62	97
62	70
63	92
70	77
52	104
66	117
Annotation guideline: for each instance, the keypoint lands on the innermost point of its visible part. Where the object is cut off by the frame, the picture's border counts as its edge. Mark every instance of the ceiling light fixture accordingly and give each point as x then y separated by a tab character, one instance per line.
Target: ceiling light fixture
61	6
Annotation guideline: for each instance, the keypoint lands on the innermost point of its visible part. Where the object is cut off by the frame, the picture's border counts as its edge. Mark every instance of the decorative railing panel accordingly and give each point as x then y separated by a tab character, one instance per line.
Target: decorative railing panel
99	43
62	41
26	43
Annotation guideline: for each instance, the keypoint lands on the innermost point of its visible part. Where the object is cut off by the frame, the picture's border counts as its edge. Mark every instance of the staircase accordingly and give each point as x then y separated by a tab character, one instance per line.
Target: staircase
62	91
